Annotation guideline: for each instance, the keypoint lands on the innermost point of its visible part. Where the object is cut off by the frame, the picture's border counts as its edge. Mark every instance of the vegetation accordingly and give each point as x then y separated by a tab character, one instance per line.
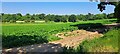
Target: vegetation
72	18
107	43
116	3
12	18
15	34
28	32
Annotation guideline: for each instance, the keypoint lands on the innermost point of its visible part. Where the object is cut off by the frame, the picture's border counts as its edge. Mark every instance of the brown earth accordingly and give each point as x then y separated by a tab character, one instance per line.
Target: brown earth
74	38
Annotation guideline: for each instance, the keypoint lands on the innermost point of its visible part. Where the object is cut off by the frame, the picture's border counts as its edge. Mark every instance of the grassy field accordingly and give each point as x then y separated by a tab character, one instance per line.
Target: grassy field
15	34
107	43
19	35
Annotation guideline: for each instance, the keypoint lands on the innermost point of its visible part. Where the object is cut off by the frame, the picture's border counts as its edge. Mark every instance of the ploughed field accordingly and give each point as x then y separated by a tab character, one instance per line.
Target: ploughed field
16	35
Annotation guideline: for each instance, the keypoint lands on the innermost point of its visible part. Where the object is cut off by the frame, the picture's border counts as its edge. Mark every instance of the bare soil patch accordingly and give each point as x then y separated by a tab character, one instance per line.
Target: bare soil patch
74	38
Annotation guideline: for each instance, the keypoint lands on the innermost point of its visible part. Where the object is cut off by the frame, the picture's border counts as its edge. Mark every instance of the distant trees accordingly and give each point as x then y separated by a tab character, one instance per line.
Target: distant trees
64	18
41	16
19	16
57	18
100	16
110	15
81	17
12	18
90	16
72	18
50	17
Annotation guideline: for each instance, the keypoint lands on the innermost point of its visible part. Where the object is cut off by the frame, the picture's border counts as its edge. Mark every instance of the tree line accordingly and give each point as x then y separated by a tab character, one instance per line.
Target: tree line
51	17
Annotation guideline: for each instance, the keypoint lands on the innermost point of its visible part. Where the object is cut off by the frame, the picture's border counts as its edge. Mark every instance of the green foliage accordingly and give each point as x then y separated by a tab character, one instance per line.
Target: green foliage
15	35
102	7
100	16
16	41
81	17
56	18
63	19
72	18
111	15
117	12
107	43
33	33
41	16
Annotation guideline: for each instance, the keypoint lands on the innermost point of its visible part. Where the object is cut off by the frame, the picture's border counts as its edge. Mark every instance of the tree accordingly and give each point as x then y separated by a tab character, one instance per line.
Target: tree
57	18
116	3
105	16
81	17
33	17
100	16
41	16
48	18
63	19
6	17
72	18
13	18
0	17
117	12
27	17
18	16
111	15
89	16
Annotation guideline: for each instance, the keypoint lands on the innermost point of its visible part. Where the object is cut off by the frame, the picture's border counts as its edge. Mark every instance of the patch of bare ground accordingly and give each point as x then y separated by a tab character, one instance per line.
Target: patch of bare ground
74	38
69	39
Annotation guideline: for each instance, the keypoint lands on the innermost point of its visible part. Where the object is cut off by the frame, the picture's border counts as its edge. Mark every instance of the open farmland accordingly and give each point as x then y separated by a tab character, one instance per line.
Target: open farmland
87	27
15	35
19	35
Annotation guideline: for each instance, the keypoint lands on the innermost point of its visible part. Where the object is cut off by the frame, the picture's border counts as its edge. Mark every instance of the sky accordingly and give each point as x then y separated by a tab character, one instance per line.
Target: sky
45	0
52	0
60	8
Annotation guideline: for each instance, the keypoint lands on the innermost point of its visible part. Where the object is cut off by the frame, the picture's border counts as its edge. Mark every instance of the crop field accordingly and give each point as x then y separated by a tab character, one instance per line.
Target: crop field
15	35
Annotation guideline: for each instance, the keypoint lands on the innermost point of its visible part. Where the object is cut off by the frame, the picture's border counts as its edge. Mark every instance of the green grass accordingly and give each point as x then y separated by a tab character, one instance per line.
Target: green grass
15	34
107	43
